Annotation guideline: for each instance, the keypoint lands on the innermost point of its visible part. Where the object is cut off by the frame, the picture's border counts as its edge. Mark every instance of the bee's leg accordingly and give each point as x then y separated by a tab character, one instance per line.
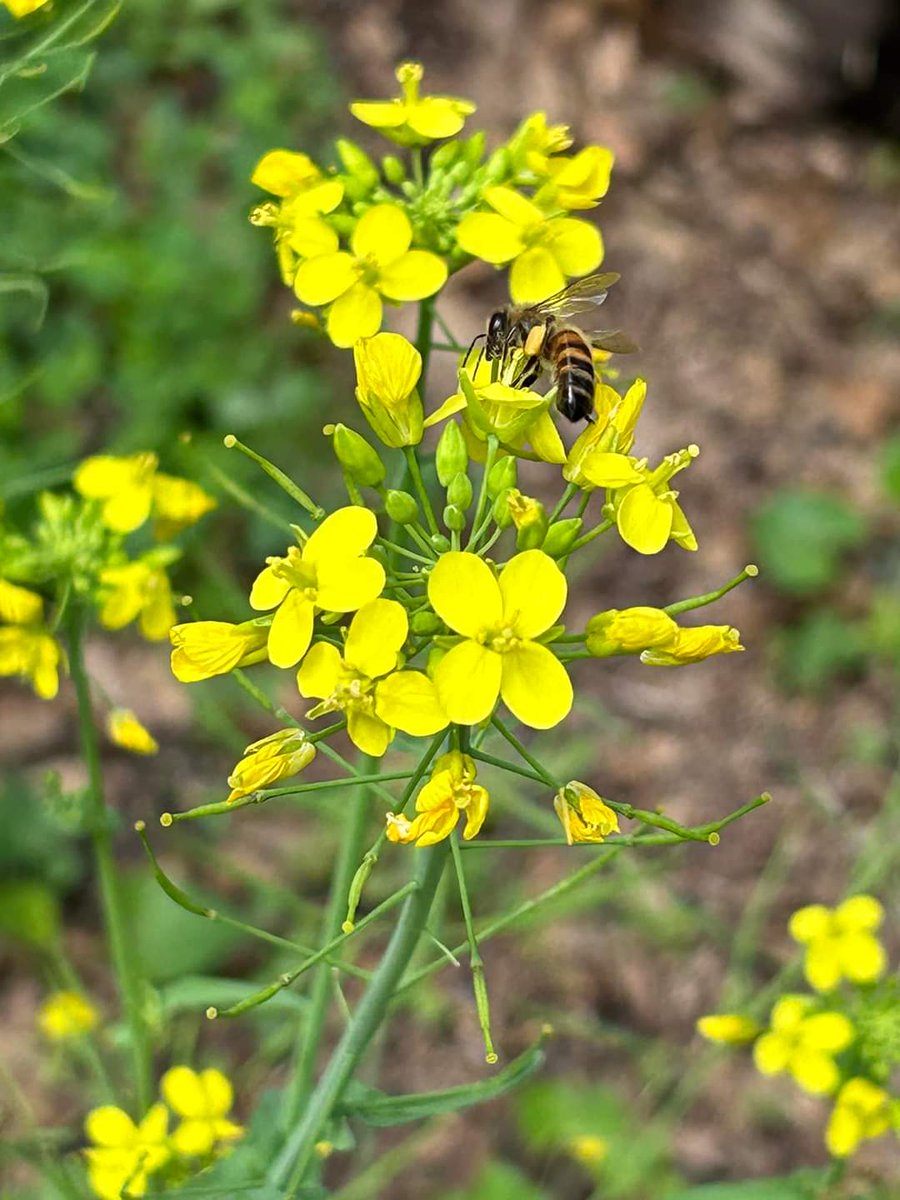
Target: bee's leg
529	373
479	337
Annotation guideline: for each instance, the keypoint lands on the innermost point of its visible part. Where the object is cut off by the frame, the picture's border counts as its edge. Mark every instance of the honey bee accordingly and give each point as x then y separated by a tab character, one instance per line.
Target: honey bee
543	335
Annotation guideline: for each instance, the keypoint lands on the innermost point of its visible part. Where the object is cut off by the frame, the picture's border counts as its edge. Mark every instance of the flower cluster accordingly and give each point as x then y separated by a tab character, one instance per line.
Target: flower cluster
839	1042
124	1155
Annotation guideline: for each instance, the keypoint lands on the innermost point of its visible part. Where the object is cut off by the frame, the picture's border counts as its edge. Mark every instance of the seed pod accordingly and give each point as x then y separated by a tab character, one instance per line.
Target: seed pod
460	491
451	457
561	535
401	507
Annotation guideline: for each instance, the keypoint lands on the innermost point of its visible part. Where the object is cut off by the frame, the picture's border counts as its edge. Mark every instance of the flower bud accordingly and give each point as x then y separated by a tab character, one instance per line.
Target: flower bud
473	149
357	163
358	458
628	631
451	456
387	371
454	518
440	542
401	507
460	491
561	535
393	169
693	645
728	1029
497	167
425	622
529	518
501	476
500	511
585	817
444	156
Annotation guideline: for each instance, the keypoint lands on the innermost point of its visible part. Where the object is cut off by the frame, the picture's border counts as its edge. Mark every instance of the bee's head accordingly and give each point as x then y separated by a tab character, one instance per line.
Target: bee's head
497	334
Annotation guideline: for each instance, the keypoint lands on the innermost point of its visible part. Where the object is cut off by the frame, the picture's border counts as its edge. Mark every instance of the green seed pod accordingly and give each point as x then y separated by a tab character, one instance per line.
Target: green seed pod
401	507
393	169
425	623
502	476
500	512
440	542
357	163
451	457
460	491
561	535
357	457
454	518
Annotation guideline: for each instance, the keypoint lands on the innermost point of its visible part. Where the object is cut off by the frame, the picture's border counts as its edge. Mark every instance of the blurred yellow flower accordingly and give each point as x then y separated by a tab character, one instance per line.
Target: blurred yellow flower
297	180
66	1015
693	645
499	621
584	816
387	371
124	1155
330	573
177	503
728	1029
18	605
381	264
366	686
840	942
139	590
125	730
203	649
124	486
861	1110
202	1100
413	120
33	654
450	793
803	1042
283	753
21	8
588	1149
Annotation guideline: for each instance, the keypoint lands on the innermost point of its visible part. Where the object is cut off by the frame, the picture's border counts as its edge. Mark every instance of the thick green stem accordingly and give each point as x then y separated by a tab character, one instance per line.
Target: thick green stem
291	1165
121	944
415	475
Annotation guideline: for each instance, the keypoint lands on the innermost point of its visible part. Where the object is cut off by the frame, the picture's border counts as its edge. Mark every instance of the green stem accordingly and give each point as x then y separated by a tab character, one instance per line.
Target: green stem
423	338
569	494
490	454
589	536
476	963
221	807
121	945
523	753
291	1165
284	481
422	492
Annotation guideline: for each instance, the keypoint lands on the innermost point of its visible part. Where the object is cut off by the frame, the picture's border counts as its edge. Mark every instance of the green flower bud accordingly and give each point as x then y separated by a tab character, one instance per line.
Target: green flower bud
357	163
451	456
460	491
454	518
358	458
561	535
393	168
500	512
502	476
529	518
380	554
497	167
401	507
445	155
440	542
473	149
425	623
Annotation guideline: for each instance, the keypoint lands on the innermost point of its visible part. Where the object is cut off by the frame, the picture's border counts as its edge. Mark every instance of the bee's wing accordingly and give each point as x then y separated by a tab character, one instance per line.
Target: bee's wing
579	296
614	340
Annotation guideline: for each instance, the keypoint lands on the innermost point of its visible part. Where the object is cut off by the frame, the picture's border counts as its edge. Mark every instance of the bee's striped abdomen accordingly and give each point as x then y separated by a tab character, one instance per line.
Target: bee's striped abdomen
573	369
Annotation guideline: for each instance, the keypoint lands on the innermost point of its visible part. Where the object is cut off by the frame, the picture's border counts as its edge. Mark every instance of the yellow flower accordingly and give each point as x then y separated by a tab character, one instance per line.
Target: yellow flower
387	371
297	180
66	1015
18	605
125	1154
125	730
728	1029
202	1100
588	1149
628	631
32	653
381	264
648	514
585	817
544	251
21	8
123	485
203	649
693	645
803	1042
840	942
283	753
138	590
177	503
534	142
576	182
499	621
413	120
450	793
365	683
600	452
861	1110
329	573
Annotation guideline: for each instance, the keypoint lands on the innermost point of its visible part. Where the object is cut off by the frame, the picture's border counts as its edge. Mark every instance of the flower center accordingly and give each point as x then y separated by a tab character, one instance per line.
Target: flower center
501	640
368	270
355	693
299	574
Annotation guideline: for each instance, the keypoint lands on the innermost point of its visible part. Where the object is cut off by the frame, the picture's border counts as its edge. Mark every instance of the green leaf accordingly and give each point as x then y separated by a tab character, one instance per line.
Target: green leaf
820	648
40	82
29	912
801	538
783	1187
499	1181
33	288
376	1108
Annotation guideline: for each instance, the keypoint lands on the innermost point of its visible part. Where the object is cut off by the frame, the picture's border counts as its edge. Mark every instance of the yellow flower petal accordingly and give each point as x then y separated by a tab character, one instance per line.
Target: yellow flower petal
388	367
183	1091
859	912
534	276
346	585
822	965
815	1072
534	593
789	1011
468	682
544	439
219	1092
535	687
125	730
18	605
576	246
514	207
345	533
607	470
314	239
464	593
355	314
322	279
863	959
104	475
202	649
771	1053
129	509
644	520
490	237
268	590
375	637
283	172
728	1029
844	1132
109	1126
291	630
809	923
413	276
158	612
194	1138
438	116
320	671
177	503
408	700
476	811
828	1031
368	732
382	234
380	114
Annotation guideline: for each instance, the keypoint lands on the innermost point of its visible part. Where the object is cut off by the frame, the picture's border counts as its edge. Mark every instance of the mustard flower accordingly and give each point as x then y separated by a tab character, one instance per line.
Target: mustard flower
693	645
298	181
22	8
125	730
33	654
588	1149
413	120
610	435
840	942
803	1042
728	1029
532	146
861	1110
138	590
203	649
381	264
584	816
365	683
576	182
387	371
66	1015
450	793
544	251
648	515
202	1100
330	573
18	605
123	486
499	621
628	631
283	753
177	503
124	1155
